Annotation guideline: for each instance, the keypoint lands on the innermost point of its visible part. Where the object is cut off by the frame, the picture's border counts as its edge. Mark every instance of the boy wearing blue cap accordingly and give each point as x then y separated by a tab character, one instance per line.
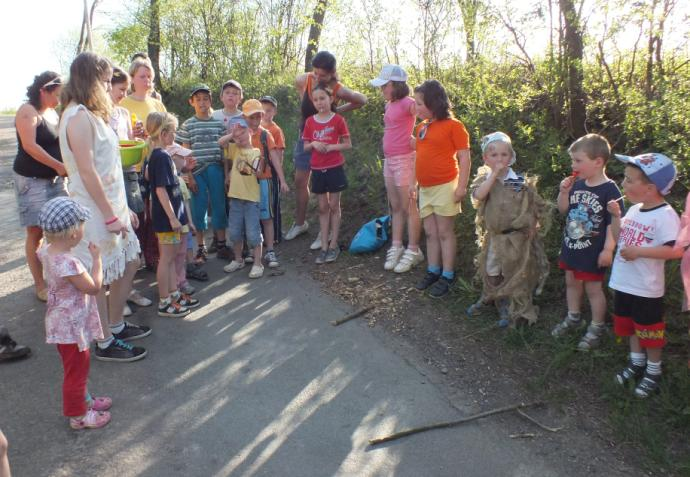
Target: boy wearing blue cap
645	238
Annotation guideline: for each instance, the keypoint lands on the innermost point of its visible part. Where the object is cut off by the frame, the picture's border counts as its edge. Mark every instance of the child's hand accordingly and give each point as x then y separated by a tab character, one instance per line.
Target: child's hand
566	184
630	253
459	194
189	164
499	169
94	251
192	184
412	192
192	227
175	225
605	258
284	188
614	208
319	146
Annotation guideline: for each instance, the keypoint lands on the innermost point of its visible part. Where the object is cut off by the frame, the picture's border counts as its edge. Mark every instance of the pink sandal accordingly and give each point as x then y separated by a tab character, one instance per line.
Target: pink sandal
91	420
99	403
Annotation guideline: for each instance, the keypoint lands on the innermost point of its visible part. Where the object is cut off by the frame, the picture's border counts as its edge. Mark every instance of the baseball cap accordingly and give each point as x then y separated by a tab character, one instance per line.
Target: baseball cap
658	168
61	213
237	121
199	87
269	99
252	106
389	73
231	83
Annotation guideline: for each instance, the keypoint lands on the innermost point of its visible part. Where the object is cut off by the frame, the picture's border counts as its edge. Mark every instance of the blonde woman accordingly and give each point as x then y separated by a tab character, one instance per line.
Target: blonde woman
90	153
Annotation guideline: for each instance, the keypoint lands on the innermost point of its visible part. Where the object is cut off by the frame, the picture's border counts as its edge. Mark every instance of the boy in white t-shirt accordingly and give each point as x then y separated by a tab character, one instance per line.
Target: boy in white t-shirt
645	238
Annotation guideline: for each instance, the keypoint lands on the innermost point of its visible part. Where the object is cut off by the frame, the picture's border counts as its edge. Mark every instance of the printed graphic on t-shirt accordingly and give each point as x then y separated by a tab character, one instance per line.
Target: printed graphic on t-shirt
325	134
636	234
583	220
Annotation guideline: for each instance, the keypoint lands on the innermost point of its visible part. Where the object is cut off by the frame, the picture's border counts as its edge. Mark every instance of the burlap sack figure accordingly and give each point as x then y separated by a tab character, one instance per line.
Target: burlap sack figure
514	218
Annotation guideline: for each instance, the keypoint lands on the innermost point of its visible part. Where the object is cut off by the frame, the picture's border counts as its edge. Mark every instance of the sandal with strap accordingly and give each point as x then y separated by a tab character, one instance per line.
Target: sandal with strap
630	373
201	255
591	339
91	420
648	385
98	403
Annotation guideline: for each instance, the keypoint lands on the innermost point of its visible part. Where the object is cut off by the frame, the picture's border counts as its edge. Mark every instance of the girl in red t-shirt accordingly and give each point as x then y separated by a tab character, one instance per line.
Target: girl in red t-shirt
442	170
326	135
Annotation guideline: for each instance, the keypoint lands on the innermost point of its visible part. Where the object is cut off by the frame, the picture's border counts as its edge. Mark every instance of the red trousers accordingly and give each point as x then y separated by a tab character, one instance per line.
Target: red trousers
76	364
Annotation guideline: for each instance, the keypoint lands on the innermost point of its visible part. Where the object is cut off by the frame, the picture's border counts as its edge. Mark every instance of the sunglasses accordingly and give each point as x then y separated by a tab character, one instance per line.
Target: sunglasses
54	82
423	130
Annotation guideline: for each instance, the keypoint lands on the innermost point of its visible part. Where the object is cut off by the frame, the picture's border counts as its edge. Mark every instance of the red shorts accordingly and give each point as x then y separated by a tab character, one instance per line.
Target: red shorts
579	275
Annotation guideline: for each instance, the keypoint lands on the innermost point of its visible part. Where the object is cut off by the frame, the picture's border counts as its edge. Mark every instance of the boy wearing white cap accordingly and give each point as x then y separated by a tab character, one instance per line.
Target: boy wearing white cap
646	237
512	261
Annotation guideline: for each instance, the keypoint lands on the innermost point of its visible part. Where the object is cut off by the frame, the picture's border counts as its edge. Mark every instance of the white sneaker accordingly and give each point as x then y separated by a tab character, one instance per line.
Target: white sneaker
316	244
296	230
393	257
409	259
257	271
127	311
233	266
139	300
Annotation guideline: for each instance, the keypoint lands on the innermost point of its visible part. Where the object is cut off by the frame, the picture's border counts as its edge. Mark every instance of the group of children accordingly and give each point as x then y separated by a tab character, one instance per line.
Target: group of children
238	154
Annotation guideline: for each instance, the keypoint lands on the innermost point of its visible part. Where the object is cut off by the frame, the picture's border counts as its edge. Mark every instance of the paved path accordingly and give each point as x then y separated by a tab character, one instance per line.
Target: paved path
255	382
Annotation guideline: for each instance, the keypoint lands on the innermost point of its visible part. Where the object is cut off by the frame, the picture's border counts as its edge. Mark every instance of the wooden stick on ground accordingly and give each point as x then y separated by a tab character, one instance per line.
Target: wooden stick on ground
443	425
352	316
534	421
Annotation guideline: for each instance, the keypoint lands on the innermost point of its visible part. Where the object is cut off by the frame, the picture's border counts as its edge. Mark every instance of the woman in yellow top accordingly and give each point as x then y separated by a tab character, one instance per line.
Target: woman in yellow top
140	104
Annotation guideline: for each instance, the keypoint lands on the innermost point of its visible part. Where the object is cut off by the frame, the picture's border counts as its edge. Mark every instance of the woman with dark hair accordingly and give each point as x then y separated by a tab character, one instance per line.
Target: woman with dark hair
90	150
323	74
38	169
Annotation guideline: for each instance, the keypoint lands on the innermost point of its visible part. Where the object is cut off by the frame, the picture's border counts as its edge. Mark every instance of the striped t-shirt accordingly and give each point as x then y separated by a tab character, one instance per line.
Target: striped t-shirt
202	135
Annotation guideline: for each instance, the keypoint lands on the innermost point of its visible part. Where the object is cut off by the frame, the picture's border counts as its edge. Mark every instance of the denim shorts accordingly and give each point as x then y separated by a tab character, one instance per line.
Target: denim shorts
243	219
32	193
301	157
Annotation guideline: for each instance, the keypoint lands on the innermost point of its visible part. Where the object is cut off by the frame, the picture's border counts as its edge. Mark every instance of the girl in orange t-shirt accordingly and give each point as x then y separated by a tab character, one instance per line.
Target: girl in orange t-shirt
442	171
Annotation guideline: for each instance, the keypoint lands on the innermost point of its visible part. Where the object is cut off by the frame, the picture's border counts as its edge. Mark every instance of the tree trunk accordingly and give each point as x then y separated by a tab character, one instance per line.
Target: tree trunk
315	32
470	11
577	113
154	40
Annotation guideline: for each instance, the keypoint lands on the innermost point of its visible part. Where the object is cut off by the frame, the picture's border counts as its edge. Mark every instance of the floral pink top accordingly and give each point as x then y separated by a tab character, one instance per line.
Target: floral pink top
72	316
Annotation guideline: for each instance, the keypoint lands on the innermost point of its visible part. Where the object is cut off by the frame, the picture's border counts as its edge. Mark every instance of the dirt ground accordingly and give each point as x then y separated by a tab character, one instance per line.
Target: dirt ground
470	354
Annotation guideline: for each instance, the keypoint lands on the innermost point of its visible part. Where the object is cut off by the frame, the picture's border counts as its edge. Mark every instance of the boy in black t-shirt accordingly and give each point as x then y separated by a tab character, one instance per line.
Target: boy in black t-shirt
587	247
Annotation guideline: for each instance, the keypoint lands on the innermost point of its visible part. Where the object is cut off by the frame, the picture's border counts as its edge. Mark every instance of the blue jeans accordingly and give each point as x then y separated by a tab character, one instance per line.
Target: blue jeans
210	184
32	193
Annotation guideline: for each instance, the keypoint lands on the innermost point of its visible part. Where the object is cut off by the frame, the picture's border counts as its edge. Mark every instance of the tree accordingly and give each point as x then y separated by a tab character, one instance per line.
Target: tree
86	35
154	40
315	32
470	13
573	57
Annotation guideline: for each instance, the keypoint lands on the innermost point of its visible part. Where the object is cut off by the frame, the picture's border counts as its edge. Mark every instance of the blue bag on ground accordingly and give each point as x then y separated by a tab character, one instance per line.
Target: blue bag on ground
371	236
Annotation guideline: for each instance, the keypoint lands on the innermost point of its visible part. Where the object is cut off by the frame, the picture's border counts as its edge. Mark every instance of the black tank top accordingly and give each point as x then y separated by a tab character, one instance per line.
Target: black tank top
46	137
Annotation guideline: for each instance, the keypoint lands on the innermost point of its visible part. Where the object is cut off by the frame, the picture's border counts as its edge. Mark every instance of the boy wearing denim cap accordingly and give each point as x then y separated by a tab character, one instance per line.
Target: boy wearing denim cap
645	237
200	133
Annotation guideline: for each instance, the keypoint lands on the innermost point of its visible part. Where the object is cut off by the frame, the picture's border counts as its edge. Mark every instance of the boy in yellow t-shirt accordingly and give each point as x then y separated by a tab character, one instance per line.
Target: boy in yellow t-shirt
245	195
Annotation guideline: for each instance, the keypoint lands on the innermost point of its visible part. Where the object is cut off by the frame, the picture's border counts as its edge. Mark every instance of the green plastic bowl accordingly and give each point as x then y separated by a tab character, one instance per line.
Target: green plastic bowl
131	152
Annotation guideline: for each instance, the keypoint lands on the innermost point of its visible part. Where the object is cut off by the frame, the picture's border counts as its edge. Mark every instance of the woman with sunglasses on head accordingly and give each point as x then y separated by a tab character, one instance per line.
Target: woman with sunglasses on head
323	74
38	169
442	169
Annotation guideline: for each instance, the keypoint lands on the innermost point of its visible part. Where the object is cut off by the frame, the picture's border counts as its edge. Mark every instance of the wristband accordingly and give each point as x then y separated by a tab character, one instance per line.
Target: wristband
112	220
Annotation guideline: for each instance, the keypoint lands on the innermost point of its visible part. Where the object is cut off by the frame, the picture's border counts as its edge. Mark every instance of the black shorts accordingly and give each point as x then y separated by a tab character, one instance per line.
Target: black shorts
328	180
642	310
